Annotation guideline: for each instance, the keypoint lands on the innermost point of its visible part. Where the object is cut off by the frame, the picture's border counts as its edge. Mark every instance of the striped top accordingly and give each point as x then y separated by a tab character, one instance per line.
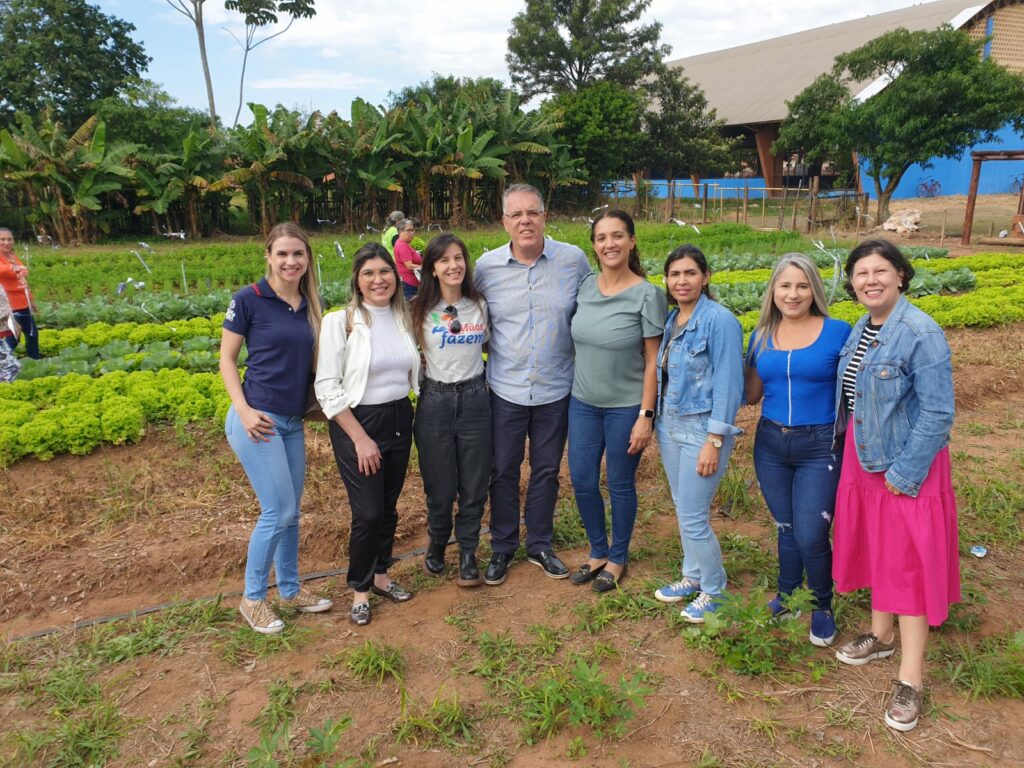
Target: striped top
869	334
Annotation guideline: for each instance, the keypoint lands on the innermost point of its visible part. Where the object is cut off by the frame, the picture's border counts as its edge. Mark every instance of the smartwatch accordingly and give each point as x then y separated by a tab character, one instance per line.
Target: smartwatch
647	412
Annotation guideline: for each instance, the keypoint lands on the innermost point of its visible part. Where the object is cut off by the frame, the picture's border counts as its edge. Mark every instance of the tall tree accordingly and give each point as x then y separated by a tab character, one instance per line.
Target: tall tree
683	136
193	11
602	123
143	113
940	97
259	14
443	90
557	46
63	54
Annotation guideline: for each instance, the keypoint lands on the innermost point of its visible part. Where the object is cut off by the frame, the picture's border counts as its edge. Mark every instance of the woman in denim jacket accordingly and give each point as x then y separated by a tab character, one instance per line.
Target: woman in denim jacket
701	362
895	522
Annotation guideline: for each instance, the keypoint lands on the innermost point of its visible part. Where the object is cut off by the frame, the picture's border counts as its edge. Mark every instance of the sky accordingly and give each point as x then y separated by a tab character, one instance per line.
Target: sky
371	48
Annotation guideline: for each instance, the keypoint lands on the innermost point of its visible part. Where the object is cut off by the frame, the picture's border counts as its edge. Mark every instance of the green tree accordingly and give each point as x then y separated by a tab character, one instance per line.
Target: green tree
259	14
941	99
143	113
443	90
65	55
602	124
557	46
683	136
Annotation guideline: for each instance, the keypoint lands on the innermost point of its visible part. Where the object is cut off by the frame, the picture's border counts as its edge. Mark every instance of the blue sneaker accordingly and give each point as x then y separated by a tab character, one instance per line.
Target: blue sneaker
677	590
823	628
702	604
777	608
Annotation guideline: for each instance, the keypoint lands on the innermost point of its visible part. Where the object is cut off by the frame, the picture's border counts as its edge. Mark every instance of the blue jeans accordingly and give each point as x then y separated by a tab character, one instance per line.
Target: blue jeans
453	440
594	432
680	439
276	470
31	331
798	474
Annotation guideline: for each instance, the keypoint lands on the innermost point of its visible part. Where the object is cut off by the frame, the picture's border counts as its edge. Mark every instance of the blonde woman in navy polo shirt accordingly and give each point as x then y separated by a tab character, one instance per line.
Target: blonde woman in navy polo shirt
278	318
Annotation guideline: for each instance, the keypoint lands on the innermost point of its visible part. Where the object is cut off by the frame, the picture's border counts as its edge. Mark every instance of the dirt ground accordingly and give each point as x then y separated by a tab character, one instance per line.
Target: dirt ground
132	528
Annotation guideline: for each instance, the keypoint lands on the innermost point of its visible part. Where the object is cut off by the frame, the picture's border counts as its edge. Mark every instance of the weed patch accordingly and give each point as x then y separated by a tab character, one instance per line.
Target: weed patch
992	667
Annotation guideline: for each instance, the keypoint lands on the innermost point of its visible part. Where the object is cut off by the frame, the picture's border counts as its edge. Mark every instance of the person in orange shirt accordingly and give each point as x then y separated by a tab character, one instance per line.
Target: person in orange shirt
14	281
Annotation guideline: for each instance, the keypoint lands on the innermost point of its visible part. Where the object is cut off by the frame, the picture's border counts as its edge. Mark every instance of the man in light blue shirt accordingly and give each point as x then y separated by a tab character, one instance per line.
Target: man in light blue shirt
530	287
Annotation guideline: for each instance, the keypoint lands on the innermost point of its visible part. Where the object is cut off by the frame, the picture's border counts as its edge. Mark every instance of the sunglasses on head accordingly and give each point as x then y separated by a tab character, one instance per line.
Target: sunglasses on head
454	326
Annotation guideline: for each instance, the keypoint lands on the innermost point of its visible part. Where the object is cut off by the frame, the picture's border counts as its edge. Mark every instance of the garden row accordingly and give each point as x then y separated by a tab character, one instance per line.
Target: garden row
75	412
197	269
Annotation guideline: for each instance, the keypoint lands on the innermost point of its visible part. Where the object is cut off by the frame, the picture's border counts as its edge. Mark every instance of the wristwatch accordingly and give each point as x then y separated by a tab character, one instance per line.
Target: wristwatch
647	412
715	441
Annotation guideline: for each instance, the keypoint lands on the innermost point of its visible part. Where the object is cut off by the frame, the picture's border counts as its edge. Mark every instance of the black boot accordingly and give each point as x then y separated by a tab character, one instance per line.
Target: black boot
469	574
433	559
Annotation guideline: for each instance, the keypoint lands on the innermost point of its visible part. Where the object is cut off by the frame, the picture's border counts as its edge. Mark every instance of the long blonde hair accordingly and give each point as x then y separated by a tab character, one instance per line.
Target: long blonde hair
308	287
770	317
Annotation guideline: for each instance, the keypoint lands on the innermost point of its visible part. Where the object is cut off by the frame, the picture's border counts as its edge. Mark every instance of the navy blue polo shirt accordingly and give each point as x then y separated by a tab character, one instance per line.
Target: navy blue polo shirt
280	344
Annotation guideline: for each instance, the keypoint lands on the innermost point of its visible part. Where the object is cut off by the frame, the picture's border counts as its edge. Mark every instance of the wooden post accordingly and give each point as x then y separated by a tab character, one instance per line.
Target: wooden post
782	208
764	205
746	197
737	205
814	199
942	235
972	198
796	201
704	206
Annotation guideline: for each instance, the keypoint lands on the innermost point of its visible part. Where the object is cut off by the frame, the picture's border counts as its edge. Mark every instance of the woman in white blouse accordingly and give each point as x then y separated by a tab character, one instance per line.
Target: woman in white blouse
367	365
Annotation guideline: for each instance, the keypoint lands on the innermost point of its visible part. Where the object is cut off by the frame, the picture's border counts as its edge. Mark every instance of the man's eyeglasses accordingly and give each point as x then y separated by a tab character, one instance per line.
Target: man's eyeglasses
454	326
532	215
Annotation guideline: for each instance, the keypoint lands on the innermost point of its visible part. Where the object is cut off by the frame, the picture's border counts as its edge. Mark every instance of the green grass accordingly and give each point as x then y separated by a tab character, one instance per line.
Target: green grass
373	662
991	667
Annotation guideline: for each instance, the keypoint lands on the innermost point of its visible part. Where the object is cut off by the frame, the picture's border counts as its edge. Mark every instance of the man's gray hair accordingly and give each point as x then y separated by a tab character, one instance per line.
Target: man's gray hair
521	188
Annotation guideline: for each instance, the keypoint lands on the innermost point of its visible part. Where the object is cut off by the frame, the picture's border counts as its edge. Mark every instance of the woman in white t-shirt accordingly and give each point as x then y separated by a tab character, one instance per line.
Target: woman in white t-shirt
453	415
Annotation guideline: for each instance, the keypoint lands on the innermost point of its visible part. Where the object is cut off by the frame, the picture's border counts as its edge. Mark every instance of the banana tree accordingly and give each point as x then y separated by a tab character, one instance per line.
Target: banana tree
66	179
473	158
375	148
260	174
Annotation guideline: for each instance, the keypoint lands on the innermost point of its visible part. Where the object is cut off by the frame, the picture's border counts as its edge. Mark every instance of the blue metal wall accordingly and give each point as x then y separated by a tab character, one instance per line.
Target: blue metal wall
955	174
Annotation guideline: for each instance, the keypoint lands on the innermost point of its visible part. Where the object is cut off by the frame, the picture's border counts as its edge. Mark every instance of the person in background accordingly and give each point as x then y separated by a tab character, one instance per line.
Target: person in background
407	258
278	318
530	287
617	329
9	364
896	520
367	365
453	413
792	362
390	233
701	362
14	280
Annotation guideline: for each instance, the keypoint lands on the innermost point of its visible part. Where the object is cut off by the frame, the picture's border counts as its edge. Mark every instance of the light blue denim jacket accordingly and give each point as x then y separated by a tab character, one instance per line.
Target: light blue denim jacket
705	367
903	409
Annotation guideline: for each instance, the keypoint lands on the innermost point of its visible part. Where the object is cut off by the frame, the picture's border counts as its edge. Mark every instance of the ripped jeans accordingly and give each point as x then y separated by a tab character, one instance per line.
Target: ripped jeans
798	474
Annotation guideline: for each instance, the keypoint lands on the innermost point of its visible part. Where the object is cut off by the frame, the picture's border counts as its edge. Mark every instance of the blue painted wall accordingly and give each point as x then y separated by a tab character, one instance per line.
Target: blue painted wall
955	174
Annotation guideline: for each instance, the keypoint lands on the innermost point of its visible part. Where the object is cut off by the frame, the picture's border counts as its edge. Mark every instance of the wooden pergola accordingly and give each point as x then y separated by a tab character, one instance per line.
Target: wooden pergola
972	194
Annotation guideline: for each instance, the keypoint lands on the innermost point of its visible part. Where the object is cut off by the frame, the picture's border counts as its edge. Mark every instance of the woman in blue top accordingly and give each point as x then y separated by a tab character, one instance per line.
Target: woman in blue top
701	362
278	318
616	331
792	362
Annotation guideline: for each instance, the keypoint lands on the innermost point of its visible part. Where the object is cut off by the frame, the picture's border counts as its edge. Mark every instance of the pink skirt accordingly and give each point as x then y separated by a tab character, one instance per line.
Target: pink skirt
903	549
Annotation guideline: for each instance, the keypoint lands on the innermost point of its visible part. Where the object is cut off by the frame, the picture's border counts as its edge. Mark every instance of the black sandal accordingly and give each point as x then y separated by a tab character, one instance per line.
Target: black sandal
585	573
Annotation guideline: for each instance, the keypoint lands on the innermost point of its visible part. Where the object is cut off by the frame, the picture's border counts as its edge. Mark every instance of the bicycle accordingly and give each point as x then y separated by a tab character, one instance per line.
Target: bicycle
1016	184
929	187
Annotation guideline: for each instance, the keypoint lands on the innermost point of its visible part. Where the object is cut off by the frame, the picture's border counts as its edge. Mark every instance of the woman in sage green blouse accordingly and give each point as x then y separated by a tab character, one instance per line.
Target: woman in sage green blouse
617	329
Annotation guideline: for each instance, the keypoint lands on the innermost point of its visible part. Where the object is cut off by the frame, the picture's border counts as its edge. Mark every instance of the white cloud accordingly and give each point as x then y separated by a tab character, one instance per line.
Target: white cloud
316	80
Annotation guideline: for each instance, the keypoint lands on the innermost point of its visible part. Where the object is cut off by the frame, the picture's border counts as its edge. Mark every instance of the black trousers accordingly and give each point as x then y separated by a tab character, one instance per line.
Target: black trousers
453	440
374	498
546	426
